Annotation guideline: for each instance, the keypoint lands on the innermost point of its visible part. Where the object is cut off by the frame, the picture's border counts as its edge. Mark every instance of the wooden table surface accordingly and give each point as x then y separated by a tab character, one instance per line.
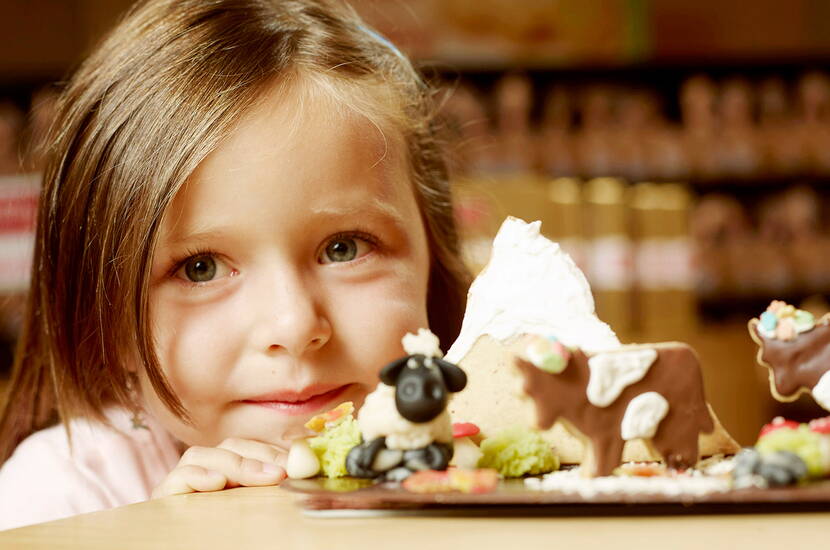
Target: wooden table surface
267	518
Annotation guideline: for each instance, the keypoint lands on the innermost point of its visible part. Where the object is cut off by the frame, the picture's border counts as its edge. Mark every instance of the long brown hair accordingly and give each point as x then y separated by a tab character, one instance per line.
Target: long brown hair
133	123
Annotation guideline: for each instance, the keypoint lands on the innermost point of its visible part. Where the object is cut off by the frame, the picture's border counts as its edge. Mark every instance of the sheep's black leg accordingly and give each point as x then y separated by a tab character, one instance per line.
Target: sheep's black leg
360	458
439	455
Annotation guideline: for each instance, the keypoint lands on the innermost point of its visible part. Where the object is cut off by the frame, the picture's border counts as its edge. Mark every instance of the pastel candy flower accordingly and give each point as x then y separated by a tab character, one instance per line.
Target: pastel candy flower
775	305
548	354
769	321
804	321
786	329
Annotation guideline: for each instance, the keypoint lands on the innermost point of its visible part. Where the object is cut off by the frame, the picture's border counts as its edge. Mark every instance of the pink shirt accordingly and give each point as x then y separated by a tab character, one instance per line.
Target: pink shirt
44	481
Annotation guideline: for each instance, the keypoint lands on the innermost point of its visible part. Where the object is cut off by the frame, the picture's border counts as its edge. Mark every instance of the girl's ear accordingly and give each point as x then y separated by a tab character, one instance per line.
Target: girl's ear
454	377
389	374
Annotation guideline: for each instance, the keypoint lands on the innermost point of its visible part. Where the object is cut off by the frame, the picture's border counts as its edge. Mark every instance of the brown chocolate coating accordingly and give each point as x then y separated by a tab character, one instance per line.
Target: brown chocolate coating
675	375
796	364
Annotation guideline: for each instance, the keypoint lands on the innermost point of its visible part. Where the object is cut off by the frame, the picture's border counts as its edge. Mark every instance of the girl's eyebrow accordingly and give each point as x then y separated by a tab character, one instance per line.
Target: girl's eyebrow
376	209
206	235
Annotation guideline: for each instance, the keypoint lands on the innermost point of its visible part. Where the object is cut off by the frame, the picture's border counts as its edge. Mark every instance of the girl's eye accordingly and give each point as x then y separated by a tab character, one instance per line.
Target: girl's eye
201	268
344	249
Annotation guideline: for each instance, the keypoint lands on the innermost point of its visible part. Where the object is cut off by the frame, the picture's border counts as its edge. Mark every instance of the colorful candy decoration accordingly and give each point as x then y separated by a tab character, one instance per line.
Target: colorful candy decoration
547	353
330	418
783	321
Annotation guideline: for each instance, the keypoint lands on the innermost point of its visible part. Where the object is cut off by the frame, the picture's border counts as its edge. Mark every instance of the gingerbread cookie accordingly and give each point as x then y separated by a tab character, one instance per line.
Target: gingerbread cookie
796	350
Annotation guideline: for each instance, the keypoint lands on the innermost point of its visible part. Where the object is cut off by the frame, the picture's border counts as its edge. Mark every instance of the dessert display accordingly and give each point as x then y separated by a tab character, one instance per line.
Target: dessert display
538	403
553	299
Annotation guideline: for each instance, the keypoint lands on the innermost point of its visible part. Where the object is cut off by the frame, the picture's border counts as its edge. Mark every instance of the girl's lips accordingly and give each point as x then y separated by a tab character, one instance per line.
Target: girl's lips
302	403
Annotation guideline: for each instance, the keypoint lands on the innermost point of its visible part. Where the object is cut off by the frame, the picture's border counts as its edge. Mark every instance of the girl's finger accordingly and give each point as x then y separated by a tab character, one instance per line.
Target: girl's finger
188	479
257	450
237	469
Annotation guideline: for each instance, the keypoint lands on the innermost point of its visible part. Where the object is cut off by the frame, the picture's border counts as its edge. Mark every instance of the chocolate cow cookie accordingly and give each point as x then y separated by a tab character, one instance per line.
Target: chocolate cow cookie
650	392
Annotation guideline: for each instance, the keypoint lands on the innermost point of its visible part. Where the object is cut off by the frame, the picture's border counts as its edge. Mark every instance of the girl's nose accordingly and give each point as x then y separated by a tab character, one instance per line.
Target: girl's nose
297	321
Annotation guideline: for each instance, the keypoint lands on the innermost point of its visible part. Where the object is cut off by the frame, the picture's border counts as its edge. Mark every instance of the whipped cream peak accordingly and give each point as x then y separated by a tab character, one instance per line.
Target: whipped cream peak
531	286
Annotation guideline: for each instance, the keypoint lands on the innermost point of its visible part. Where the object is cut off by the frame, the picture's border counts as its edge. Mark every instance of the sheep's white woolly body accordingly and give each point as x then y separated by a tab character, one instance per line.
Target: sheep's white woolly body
379	418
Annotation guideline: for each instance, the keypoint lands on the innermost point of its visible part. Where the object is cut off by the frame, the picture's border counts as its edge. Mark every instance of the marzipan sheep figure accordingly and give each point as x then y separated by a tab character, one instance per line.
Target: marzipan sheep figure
404	422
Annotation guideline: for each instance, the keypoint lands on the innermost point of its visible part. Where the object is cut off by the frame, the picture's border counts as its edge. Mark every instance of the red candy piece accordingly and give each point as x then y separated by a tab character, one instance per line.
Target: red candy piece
464	429
820	425
428	481
777	424
478	481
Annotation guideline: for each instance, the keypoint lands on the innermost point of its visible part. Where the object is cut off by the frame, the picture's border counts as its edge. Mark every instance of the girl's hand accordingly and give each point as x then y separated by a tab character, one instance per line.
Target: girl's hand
233	463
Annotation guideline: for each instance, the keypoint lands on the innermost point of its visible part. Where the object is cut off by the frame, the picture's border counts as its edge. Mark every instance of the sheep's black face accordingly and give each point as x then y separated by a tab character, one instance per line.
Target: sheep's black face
420	393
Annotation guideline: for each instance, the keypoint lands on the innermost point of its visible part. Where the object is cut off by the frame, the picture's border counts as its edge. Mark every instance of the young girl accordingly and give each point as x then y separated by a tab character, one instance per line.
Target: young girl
244	210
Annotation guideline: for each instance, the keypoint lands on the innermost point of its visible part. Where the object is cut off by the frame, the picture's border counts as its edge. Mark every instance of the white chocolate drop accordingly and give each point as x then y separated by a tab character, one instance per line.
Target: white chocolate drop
643	415
614	371
466	454
302	462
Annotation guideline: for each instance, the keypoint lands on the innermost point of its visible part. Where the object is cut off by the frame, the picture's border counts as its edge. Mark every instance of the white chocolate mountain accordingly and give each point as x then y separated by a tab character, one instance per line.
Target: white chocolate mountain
531	286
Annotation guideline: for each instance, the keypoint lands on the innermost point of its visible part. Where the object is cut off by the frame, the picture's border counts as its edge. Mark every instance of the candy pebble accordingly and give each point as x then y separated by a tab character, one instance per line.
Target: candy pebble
548	354
782	468
804	321
786	311
785	330
769	321
776	305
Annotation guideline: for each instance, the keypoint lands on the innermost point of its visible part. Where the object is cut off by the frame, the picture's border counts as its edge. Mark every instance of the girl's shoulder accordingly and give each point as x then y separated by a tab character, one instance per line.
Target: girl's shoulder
105	466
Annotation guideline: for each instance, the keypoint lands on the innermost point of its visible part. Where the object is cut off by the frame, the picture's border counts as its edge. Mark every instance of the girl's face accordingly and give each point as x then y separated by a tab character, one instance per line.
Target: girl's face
286	273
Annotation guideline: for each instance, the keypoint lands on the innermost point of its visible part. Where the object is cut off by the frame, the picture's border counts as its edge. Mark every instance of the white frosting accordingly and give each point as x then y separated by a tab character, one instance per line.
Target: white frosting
302	462
531	286
569	481
642	416
380	418
424	343
612	372
821	392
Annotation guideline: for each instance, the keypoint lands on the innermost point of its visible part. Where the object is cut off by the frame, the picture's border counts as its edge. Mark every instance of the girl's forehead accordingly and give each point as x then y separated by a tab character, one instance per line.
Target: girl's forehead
297	152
